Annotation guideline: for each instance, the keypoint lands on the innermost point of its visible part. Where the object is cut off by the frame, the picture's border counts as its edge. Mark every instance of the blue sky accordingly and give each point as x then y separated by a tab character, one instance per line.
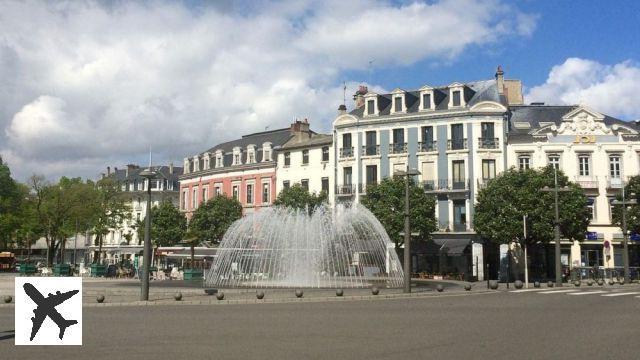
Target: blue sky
90	84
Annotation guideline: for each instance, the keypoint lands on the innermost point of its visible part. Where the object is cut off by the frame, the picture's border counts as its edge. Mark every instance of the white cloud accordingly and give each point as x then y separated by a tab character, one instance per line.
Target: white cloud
86	85
611	89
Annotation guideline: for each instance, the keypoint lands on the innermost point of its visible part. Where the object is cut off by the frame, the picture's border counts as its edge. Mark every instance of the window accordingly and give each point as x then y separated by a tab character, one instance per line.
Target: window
194	199
252	158
265	193
205	193
325	153
459	215
458	174
325	184
427	139
185	201
372	174
611	207
583	165
554	161
249	193
236	159
236	192
591	205
346	140
219	161
218	190
346	175
266	155
397	104
370	107
614	166
488	169
456	98
524	162
286	184
371	145
457	137
305	184
287	158
426	101
305	157
398	141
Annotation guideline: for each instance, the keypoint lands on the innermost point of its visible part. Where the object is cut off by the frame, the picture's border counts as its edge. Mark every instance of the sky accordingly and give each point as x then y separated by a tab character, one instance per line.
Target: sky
90	84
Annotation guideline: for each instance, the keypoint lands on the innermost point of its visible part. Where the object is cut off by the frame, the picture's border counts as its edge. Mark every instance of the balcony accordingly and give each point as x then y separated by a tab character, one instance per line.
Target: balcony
614	182
587	182
427	146
370	150
483	183
345	190
346	152
457	144
435	186
398	148
459	227
488	143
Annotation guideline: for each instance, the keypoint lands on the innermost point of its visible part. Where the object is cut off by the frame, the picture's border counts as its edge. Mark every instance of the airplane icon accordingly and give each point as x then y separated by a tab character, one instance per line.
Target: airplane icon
47	307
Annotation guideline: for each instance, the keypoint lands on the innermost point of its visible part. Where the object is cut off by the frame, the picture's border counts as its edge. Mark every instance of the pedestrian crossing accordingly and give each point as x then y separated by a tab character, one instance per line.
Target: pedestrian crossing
580	292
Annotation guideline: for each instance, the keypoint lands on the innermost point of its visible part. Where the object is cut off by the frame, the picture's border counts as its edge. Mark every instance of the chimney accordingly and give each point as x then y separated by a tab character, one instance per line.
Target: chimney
300	126
500	80
342	109
115	170
359	96
171	167
108	170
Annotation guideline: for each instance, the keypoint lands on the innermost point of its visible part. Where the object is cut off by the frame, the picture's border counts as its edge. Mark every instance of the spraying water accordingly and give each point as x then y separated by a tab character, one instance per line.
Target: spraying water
345	247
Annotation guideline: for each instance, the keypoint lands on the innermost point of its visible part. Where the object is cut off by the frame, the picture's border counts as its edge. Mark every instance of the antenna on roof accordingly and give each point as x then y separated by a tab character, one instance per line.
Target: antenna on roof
266	128
150	157
344	93
370	70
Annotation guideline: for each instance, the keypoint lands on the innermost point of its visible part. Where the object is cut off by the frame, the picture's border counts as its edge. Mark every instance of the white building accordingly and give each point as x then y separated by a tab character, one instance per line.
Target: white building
123	243
306	159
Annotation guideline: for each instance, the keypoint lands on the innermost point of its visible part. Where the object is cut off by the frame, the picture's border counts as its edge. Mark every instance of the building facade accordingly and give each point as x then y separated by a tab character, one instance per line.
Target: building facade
306	159
124	243
596	151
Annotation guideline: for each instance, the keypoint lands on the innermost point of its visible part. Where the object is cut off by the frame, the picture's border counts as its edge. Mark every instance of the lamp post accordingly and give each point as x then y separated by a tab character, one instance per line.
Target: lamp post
625	236
555	192
407	227
148	174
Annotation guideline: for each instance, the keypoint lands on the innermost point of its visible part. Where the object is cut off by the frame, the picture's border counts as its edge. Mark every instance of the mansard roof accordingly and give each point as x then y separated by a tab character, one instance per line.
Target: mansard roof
133	173
275	137
474	92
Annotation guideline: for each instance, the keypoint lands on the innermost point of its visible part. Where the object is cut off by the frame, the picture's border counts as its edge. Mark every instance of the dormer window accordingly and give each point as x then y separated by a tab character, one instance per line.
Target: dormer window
251	154
455	98
427	101
186	163
371	104
237	156
456	95
219	159
398	101
266	151
207	159
196	163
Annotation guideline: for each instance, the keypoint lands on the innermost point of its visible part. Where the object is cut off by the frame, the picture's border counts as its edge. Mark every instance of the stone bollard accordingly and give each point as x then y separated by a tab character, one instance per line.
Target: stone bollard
600	282
536	284
299	293
621	281
220	296
518	284
177	296
260	295
467	287
549	283
375	290
577	283
611	283
493	284
100	299
589	282
339	292
439	287
7	299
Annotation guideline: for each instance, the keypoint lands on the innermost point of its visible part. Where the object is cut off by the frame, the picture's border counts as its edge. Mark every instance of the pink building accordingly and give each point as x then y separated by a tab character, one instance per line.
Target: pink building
244	168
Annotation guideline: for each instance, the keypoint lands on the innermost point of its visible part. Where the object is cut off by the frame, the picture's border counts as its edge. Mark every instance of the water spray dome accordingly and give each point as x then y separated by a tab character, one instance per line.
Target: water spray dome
341	247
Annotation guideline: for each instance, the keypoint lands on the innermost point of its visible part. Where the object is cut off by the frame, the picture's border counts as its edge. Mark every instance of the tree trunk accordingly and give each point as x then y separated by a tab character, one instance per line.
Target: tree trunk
51	253
193	254
99	248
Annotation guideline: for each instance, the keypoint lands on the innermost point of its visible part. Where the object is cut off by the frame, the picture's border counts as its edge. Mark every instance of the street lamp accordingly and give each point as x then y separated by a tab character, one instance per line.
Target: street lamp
625	235
148	174
555	192
407	231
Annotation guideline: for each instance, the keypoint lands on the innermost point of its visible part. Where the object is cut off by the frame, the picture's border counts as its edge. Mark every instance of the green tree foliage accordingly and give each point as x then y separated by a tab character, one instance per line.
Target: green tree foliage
107	211
501	205
632	191
298	198
11	198
386	201
168	225
212	219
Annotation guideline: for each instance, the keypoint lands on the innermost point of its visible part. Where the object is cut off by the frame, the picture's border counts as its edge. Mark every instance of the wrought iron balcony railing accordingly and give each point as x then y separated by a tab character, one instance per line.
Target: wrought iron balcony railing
346	152
370	150
398	148
457	144
488	143
447	185
427	146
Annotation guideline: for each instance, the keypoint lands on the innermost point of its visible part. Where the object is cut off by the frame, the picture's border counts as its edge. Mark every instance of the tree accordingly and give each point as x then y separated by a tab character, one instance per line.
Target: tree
386	201
11	198
631	191
212	219
108	211
298	198
168	225
507	198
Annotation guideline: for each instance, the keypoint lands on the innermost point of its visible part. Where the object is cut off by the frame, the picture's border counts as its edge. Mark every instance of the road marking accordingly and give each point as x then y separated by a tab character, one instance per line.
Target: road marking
588	292
623	294
526	290
558	291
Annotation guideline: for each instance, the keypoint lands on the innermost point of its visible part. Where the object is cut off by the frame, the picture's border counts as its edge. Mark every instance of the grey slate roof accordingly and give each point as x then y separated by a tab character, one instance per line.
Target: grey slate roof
275	137
314	140
132	174
537	114
474	92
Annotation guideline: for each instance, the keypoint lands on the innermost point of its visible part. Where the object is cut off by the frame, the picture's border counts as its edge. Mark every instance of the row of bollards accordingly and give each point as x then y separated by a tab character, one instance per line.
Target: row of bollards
518	284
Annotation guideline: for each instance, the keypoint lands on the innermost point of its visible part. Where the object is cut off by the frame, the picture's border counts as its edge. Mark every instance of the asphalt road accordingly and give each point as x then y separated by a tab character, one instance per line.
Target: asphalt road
498	325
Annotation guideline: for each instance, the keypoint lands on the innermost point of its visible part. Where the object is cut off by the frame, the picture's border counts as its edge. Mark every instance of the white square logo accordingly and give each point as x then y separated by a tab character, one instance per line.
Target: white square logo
48	311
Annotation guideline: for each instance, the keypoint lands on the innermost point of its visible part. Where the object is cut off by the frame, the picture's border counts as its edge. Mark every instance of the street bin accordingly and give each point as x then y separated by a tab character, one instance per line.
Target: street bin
193	274
27	269
61	269
98	270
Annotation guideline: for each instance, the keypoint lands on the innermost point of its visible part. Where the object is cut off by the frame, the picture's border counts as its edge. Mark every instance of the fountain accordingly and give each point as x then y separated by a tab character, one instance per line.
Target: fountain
344	247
